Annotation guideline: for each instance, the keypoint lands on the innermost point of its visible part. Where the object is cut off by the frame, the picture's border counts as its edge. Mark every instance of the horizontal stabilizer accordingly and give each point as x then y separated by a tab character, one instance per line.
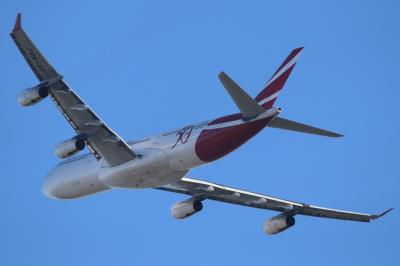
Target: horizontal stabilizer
286	124
247	105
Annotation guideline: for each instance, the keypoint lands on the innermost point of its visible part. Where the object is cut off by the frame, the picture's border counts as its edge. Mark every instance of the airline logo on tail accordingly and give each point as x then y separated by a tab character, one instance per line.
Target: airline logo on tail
268	95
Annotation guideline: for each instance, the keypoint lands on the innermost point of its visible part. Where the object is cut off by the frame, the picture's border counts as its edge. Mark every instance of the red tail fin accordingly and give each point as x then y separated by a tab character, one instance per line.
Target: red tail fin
269	94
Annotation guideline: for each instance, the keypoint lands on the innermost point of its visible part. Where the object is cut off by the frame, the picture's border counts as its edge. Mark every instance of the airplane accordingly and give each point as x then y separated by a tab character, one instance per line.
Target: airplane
163	161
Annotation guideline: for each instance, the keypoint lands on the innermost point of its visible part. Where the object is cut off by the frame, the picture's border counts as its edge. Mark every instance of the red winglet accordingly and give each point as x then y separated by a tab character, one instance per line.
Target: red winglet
17	24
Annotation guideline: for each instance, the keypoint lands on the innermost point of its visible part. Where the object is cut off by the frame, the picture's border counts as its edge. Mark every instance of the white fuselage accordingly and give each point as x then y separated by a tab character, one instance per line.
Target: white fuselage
162	159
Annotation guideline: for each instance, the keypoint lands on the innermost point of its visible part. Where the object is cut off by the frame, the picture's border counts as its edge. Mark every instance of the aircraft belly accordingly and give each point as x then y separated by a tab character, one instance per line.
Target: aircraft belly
74	179
150	169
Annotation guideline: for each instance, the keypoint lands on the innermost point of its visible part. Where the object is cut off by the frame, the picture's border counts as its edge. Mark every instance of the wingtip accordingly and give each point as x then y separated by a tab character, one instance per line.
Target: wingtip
222	75
17	24
383	213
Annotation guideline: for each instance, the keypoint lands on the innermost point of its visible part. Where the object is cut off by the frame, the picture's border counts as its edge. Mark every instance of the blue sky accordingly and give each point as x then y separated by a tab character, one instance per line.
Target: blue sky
150	66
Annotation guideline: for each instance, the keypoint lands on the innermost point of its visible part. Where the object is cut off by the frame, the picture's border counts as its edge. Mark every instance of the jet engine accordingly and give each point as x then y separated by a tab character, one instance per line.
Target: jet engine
183	209
69	147
33	95
278	223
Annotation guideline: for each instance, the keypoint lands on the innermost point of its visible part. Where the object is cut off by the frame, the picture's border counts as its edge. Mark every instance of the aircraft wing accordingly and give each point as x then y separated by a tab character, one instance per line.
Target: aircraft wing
102	141
207	190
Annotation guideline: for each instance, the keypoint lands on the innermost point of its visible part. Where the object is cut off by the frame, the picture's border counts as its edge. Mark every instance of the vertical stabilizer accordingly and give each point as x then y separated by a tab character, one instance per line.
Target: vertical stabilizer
269	94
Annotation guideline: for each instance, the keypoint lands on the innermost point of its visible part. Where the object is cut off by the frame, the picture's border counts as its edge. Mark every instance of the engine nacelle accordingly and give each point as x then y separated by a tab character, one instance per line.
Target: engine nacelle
183	209
33	95
278	224
69	147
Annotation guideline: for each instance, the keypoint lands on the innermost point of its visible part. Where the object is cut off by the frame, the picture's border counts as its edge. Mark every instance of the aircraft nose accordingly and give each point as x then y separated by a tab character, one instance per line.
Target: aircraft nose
48	187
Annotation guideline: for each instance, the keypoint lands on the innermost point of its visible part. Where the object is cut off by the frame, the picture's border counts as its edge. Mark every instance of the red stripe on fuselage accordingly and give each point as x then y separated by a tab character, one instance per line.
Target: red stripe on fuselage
213	144
227	118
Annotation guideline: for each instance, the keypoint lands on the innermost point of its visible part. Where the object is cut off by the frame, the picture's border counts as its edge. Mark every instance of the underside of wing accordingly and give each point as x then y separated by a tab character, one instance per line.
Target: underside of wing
202	190
101	140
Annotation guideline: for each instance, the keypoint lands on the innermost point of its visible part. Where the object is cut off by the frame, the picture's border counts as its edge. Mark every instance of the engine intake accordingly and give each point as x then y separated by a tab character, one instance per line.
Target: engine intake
278	224
184	209
69	147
